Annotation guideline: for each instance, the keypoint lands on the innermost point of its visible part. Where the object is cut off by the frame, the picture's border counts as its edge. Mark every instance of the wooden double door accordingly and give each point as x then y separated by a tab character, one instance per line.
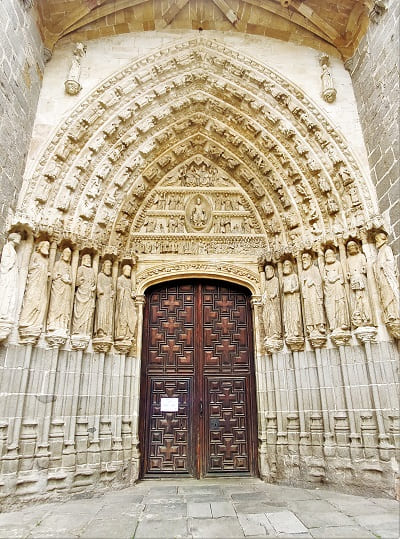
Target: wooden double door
198	409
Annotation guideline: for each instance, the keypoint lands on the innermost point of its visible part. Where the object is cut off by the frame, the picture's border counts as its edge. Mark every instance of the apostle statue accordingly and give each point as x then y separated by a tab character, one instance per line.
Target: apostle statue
105	302
335	294
313	297
60	298
360	310
125	312
291	303
35	298
84	298
272	306
388	284
8	284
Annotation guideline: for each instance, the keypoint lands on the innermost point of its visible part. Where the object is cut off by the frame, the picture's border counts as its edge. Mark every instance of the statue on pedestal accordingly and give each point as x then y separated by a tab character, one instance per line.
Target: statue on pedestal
8	285
335	294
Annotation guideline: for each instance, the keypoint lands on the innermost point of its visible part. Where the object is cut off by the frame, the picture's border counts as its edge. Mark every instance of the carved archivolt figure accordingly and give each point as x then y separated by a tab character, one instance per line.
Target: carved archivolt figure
60	299
125	313
357	276
311	287
272	305
291	302
84	298
387	279
9	279
105	298
335	294
35	299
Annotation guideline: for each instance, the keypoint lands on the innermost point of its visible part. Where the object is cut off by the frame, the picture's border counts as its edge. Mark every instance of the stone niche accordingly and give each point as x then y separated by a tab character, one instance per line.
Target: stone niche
197	161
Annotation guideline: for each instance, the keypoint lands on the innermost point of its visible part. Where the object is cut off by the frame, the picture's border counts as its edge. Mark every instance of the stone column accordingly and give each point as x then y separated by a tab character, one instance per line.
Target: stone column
135	388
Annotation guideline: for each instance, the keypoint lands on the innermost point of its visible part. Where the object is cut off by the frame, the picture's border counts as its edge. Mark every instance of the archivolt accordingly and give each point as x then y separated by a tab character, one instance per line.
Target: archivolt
198	98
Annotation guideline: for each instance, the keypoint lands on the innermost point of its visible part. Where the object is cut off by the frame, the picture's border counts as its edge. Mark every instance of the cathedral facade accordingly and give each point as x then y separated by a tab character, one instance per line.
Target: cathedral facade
198	277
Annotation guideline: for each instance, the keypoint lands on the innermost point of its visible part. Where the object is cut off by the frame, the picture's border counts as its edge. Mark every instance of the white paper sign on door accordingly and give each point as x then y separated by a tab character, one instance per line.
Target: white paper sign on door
169	404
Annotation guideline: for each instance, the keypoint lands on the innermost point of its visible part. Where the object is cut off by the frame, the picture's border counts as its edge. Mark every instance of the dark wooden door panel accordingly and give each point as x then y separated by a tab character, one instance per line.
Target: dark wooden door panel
198	348
169	432
228	446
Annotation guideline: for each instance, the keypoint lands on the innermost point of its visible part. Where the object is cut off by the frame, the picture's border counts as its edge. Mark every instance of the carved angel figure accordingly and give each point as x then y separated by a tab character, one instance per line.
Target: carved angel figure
335	294
125	312
60	299
360	309
104	306
84	298
291	302
35	298
311	287
9	279
387	279
272	305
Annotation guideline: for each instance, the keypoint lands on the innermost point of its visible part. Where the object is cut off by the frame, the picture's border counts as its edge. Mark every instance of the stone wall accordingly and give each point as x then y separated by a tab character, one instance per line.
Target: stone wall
21	71
375	73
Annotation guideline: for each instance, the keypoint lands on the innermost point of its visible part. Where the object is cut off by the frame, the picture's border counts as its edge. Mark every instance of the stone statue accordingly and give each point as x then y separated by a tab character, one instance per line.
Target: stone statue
335	294
105	299
35	298
357	276
8	284
84	298
291	303
272	305
198	215
388	282
311	288
125	312
72	85
60	298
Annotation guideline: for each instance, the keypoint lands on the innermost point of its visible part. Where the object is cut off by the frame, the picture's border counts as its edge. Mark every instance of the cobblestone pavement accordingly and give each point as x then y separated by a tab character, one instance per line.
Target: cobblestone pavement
241	507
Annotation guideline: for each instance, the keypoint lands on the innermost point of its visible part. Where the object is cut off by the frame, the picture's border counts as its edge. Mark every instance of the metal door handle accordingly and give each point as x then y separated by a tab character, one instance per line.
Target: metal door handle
201	408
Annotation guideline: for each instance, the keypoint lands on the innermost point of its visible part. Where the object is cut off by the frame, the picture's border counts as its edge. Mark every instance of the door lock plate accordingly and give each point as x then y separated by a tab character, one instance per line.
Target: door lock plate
214	423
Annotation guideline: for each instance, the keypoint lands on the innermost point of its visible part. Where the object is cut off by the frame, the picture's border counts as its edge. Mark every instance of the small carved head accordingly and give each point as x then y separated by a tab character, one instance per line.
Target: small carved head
127	270
330	256
306	260
87	260
43	247
66	254
380	239
107	265
269	271
287	267
352	248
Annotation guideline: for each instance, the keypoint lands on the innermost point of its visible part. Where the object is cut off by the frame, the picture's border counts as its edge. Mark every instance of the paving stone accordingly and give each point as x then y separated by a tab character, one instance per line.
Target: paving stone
342	531
380	521
331	518
386	503
286	522
196	498
223	528
256	507
162	528
110	528
62	525
130	509
199	510
255	525
310	505
166	511
222	509
360	507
